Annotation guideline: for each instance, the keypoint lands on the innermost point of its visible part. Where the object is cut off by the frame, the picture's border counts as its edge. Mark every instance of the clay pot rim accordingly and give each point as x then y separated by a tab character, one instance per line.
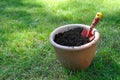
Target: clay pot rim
68	27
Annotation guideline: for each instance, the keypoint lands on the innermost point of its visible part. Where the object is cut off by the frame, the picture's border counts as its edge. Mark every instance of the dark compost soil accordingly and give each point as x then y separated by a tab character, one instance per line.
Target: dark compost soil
71	38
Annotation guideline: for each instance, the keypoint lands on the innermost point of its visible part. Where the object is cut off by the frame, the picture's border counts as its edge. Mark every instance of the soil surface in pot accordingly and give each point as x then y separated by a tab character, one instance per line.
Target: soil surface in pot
72	37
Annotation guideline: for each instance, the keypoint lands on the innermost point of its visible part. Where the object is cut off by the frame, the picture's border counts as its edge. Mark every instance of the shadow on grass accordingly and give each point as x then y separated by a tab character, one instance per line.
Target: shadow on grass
18	16
112	18
27	13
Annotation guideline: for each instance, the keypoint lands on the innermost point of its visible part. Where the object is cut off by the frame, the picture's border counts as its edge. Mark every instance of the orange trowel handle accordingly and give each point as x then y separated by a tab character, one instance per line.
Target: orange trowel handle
94	22
96	19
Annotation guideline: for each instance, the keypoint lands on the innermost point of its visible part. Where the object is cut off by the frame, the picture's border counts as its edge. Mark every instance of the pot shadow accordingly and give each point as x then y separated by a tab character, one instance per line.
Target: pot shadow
103	67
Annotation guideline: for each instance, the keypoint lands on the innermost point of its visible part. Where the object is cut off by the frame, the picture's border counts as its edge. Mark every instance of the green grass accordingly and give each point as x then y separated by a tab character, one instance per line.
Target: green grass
25	51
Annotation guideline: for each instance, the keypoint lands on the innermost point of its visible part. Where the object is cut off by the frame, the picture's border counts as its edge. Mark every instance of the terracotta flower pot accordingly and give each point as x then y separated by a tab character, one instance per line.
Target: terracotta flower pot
77	57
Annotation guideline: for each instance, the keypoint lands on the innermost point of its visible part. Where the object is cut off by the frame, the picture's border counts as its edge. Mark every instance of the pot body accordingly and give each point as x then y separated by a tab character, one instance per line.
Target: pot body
77	57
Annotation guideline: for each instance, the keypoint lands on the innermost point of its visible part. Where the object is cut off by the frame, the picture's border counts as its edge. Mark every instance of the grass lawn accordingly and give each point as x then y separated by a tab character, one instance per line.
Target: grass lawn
25	51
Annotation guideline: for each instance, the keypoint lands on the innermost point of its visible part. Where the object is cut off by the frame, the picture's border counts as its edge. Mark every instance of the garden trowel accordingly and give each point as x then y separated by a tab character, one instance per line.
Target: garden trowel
88	33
